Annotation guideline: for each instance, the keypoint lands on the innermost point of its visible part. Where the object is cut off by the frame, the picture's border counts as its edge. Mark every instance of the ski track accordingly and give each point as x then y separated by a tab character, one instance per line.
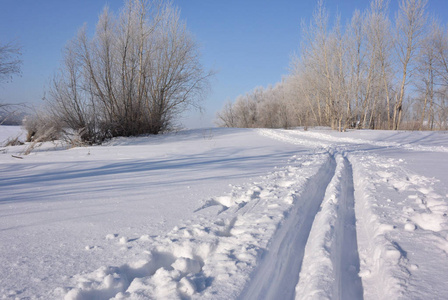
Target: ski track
385	260
348	281
278	271
294	234
331	263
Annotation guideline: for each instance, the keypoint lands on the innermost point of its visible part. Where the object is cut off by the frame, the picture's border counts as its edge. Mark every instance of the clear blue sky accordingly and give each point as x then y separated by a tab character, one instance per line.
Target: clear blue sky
248	42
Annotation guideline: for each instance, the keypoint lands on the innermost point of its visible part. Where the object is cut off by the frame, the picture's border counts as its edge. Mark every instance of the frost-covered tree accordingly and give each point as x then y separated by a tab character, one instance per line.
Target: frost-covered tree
411	21
372	72
134	76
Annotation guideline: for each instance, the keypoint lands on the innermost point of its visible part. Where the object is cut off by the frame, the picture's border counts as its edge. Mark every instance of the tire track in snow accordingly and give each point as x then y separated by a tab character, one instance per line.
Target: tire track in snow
278	271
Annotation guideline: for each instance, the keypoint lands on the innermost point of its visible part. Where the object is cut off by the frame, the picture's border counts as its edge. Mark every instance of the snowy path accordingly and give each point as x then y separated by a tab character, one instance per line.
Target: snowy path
340	218
278	271
318	236
331	263
331	266
348	282
387	218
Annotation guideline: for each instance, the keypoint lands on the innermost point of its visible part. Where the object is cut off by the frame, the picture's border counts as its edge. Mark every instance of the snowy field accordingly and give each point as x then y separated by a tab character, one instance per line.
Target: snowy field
227	214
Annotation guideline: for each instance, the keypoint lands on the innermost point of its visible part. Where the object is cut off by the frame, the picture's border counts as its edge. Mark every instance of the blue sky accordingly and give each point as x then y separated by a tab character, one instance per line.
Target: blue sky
248	42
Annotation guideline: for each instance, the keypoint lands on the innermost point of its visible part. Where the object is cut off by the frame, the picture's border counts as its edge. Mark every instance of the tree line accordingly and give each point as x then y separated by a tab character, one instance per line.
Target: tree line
373	72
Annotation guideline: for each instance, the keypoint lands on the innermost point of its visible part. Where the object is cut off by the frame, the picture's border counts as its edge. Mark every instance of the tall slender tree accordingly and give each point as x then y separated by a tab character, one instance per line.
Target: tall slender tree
411	20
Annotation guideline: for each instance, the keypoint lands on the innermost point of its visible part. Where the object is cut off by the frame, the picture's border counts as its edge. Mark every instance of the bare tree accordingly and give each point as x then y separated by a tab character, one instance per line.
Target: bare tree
10	61
411	20
356	56
440	44
380	69
441	48
427	76
226	117
139	71
314	66
10	65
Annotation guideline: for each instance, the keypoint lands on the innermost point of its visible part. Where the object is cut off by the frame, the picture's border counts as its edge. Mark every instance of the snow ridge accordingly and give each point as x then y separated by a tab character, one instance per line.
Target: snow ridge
383	265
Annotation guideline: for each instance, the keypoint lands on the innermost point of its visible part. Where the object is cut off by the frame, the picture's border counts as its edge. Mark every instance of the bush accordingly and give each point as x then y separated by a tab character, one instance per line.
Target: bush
42	127
134	76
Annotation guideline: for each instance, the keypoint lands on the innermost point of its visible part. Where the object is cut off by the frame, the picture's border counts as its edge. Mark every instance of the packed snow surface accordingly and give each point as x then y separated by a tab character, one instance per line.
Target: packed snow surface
227	214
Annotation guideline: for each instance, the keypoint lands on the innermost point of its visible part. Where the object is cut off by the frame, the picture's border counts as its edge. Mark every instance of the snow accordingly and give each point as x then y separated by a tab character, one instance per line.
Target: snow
227	214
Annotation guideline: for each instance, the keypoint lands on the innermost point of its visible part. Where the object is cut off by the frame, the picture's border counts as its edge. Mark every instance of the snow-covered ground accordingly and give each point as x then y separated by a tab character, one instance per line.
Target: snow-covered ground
227	214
